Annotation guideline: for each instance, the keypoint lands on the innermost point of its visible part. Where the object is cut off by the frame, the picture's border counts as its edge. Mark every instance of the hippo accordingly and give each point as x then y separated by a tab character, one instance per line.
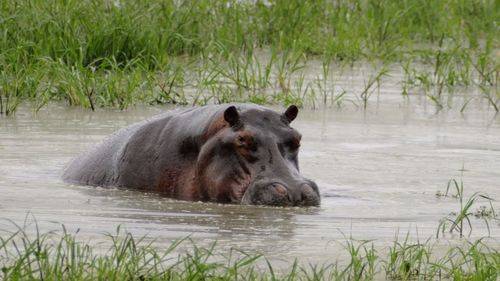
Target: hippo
232	153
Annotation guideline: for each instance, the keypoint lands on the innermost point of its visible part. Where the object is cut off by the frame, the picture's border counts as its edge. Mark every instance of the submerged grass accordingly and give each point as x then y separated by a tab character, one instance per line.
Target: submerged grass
457	221
119	53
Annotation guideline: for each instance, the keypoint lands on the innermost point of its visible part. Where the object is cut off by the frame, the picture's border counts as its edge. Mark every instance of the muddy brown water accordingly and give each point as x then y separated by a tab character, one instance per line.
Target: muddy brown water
378	173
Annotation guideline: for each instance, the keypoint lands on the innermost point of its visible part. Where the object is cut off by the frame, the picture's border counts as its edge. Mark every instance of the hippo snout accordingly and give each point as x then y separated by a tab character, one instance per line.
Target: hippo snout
280	194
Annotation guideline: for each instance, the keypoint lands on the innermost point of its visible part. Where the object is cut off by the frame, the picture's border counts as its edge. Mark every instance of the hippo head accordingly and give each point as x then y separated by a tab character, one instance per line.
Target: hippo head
253	159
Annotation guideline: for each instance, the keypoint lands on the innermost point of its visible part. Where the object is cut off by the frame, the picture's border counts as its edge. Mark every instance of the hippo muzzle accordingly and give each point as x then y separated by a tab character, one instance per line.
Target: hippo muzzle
276	193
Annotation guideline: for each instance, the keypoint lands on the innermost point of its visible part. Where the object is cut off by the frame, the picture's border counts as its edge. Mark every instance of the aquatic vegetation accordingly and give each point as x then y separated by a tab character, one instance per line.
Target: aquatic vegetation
472	260
120	53
362	263
407	260
373	80
457	221
62	256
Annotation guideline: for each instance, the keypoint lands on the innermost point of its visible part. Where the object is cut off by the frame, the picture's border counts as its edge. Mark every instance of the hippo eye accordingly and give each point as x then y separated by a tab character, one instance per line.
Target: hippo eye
246	143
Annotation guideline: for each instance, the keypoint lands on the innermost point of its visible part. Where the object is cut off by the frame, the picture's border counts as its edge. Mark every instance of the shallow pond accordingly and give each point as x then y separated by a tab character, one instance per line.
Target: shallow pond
378	172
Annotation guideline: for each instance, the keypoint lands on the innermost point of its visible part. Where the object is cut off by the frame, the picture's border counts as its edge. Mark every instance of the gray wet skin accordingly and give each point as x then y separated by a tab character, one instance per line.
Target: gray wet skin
239	153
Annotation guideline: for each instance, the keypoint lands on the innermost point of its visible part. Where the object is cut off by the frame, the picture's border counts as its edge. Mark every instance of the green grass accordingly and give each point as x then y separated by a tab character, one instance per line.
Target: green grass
62	256
457	221
120	53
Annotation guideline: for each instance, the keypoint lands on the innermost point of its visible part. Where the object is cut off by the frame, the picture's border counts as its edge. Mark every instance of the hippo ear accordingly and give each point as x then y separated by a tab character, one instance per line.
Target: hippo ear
231	116
290	113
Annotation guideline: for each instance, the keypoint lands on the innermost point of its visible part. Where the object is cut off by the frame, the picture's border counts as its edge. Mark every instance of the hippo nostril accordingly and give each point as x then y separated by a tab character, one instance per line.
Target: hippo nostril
309	196
280	189
280	195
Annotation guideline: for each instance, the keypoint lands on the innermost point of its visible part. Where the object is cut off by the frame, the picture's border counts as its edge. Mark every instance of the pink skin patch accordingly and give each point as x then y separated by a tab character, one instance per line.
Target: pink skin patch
240	186
281	190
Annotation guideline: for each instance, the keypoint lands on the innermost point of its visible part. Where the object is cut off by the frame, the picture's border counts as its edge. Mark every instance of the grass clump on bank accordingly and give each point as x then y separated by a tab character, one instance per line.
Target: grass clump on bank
51	256
118	53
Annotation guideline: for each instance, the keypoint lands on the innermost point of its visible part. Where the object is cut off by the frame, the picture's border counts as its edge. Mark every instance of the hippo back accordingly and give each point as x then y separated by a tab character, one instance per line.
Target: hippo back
139	155
135	156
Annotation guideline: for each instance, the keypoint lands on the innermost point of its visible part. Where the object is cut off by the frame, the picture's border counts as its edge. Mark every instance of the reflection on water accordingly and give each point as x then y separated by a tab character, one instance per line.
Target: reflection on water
378	172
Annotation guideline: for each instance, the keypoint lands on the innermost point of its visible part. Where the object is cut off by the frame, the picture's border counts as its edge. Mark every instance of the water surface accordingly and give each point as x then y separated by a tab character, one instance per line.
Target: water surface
378	172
